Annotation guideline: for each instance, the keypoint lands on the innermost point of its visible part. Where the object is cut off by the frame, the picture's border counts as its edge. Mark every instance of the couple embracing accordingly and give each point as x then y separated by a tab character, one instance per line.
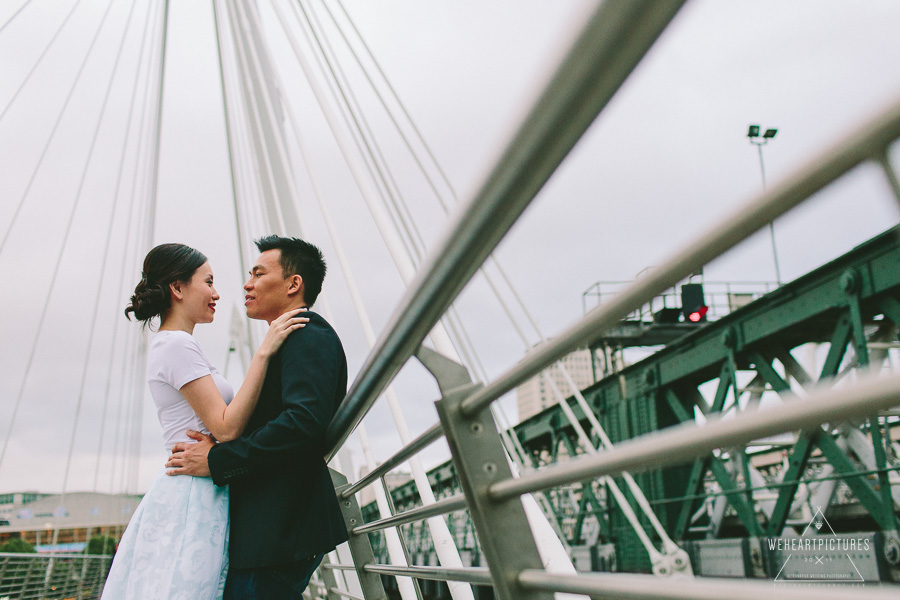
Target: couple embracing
246	508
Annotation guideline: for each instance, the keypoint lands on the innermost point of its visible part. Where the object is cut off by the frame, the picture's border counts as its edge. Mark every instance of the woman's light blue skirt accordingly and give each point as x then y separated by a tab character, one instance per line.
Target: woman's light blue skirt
175	546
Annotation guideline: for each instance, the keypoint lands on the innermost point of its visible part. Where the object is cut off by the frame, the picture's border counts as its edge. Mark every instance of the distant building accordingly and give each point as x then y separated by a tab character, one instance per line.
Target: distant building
536	394
17	498
78	516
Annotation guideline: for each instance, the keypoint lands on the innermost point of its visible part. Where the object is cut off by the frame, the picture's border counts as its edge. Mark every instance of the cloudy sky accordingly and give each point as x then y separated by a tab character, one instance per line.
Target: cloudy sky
665	160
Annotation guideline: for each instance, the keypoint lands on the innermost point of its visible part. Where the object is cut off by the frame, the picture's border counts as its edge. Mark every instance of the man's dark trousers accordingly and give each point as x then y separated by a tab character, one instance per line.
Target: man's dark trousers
284	582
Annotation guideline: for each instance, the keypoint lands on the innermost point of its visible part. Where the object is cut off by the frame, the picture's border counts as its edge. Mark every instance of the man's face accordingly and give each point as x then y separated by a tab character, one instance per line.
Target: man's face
267	289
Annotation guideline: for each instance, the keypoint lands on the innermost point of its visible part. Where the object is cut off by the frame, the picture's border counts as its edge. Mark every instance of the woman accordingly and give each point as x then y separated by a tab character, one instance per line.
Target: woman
175	544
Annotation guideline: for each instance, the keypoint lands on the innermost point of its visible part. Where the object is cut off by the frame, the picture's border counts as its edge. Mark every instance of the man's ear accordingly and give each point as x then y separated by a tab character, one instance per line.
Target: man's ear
296	285
175	290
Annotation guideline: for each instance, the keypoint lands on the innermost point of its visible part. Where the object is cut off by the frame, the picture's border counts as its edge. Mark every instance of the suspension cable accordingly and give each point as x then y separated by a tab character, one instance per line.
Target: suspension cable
40	58
15	14
402	106
62	112
358	124
354	108
247	172
59	258
228	138
115	196
90	346
80	401
339	100
255	112
162	80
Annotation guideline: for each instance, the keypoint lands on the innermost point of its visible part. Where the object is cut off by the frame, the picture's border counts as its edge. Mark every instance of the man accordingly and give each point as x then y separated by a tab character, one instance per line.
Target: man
284	512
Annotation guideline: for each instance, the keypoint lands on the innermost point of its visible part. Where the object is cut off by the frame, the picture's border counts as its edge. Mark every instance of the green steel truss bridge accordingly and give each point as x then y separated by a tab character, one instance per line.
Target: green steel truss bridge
750	448
847	313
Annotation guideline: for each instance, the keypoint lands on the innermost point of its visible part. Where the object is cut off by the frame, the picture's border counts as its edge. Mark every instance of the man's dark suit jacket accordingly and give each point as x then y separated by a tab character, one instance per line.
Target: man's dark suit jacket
283	504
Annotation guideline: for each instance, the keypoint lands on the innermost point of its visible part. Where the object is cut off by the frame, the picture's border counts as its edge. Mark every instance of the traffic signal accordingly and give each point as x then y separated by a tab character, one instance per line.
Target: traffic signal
693	305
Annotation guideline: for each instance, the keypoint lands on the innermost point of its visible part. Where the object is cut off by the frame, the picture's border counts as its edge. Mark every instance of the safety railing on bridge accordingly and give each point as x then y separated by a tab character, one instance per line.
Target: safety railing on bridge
45	577
610	46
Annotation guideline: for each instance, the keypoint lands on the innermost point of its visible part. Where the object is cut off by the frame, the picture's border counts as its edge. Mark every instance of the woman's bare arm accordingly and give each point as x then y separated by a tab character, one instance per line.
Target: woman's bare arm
227	421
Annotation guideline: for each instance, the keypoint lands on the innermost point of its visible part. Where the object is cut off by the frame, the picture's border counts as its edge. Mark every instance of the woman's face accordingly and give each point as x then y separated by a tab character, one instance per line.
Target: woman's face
199	295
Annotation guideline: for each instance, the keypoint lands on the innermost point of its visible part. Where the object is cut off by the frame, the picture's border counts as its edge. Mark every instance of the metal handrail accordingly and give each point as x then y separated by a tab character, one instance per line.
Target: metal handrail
647	586
613	42
476	575
440	507
414	447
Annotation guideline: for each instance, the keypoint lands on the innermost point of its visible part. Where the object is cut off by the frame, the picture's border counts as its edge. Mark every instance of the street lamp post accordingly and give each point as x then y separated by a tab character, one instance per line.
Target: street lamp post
759	142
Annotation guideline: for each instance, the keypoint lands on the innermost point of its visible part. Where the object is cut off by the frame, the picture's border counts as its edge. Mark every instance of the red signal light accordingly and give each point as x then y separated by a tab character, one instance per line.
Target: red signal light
698	314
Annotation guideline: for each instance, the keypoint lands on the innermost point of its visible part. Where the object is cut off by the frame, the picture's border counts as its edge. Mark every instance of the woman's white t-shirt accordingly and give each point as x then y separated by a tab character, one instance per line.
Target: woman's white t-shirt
175	359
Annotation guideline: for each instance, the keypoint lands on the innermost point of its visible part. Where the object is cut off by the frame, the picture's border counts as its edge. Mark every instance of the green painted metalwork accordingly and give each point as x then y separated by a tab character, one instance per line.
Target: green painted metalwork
830	305
883	514
796	467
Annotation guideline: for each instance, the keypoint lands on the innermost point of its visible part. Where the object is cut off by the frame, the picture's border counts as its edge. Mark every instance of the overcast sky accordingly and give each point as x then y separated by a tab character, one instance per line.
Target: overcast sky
665	160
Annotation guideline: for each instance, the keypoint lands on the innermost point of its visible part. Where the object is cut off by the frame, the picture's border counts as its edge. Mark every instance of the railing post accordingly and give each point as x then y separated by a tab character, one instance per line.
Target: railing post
502	527
329	580
360	548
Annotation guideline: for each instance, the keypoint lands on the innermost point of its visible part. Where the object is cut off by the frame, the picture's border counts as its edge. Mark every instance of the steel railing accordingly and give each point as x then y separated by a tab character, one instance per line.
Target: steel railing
42	576
610	46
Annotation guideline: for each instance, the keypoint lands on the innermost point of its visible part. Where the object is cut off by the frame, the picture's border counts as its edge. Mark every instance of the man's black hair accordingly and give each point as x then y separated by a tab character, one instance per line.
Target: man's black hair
298	257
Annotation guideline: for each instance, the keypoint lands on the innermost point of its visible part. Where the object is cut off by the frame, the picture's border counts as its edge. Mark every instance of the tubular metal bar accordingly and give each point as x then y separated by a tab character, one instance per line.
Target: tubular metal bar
682	443
476	575
647	586
345	594
868	142
338	567
610	46
440	507
411	449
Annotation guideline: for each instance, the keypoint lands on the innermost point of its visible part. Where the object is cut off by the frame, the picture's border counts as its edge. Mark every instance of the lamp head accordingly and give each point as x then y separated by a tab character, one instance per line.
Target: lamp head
769	134
753	131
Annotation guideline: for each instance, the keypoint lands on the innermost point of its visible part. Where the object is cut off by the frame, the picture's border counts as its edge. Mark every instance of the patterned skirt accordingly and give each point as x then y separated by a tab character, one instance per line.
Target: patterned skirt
175	546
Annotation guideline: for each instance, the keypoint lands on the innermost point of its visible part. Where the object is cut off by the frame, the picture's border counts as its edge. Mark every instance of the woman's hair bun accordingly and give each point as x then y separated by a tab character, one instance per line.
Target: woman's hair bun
148	300
164	264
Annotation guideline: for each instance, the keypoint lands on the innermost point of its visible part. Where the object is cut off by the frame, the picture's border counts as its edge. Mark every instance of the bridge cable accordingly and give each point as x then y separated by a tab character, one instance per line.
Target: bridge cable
464	343
354	108
137	383
241	167
128	221
15	14
253	107
53	133
140	242
402	205
229	135
40	58
162	79
402	106
80	189
53	278
350	121
399	202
